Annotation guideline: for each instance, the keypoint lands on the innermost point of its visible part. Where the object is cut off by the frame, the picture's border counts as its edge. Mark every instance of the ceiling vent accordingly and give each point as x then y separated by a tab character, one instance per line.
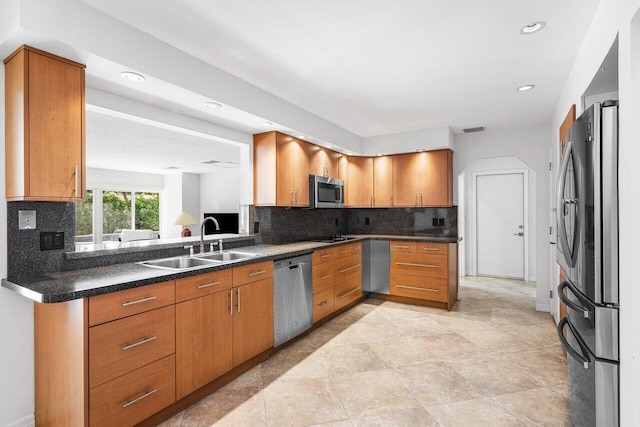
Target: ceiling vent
221	163
469	130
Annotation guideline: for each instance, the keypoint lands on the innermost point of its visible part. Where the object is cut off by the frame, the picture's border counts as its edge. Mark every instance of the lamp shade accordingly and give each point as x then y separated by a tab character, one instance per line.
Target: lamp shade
185	218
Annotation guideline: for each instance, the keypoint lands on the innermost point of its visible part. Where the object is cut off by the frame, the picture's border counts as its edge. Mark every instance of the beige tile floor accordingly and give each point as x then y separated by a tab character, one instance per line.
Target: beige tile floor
491	361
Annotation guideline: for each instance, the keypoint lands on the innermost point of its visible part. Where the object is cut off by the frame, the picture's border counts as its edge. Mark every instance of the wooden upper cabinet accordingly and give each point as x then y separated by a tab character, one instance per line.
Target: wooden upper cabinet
323	162
280	170
45	127
359	182
423	179
383	181
405	180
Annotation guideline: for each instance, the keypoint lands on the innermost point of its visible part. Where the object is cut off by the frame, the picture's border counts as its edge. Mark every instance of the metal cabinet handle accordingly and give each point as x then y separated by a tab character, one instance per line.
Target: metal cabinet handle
415	288
371	201
138	301
325	277
402	247
350	268
431	249
135	344
410	264
75	189
343	252
208	284
421	204
416	199
324	303
138	399
325	256
238	300
346	294
231	302
255	273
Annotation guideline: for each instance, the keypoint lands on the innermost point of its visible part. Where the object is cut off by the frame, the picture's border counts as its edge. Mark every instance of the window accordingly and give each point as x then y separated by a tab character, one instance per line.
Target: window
113	211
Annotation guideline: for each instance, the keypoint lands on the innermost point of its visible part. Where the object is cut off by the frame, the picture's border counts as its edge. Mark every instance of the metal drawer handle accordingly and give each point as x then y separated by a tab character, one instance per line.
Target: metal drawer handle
415	288
325	277
138	301
208	284
255	273
410	264
135	344
324	303
138	399
349	268
346	294
75	176
431	249
402	247
325	256
238	303
344	252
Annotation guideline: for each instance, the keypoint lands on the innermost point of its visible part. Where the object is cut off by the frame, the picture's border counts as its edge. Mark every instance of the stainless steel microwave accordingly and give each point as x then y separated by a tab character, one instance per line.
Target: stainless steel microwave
326	192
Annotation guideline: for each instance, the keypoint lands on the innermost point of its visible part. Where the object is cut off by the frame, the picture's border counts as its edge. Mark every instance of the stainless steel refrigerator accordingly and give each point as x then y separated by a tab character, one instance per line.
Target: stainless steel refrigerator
587	249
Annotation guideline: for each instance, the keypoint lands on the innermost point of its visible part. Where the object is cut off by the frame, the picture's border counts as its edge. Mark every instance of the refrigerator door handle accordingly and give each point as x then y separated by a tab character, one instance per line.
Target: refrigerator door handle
584	309
583	358
561	203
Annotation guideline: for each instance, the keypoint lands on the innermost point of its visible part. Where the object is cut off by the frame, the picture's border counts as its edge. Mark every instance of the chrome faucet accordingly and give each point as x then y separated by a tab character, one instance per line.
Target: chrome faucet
209	218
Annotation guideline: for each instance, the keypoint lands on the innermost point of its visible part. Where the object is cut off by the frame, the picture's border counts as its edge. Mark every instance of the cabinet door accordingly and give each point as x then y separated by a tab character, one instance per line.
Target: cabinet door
300	171
252	320
435	178
322	161
285	152
405	180
359	182
203	341
55	128
383	181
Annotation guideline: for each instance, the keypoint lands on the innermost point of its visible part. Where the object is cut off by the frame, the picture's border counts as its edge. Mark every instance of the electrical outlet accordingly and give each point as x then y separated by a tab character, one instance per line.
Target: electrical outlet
50	240
27	220
434	222
441	222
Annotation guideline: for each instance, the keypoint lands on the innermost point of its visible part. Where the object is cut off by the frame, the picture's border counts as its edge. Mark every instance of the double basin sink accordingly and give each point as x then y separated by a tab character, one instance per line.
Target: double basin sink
194	262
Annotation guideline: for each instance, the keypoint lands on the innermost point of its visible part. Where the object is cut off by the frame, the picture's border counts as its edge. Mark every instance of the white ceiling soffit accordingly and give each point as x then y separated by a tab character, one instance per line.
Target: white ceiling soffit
382	67
119	144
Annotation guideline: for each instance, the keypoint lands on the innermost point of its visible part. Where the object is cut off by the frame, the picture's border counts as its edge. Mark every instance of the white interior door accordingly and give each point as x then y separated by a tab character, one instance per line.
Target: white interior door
500	225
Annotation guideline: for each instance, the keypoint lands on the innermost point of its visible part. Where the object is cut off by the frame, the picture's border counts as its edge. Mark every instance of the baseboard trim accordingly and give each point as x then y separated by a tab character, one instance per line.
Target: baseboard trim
28	421
543	307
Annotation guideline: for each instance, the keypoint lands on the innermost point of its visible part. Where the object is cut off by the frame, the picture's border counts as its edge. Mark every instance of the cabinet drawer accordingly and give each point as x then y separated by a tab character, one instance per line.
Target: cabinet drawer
399	246
118	347
323	304
427	288
131	398
347	292
323	255
105	308
348	250
433	248
252	273
346	268
419	264
322	276
203	284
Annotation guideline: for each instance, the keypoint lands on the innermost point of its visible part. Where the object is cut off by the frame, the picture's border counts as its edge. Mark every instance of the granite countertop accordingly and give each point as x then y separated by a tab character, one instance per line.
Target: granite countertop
76	284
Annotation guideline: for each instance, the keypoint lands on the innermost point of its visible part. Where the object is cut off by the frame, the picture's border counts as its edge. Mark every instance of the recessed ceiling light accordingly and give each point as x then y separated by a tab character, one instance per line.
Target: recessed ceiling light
131	76
301	137
534	27
525	88
221	163
171	168
379	154
267	124
212	105
329	146
420	150
350	153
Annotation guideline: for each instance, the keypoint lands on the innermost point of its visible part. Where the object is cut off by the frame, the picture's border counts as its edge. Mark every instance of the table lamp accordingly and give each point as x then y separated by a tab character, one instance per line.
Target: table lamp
185	219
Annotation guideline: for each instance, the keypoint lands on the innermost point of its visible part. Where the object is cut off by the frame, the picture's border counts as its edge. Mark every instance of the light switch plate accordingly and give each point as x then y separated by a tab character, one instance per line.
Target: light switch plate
26	220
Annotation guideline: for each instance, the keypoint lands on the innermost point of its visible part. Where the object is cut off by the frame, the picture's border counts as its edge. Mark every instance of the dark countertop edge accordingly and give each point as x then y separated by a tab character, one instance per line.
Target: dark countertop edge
154	246
27	286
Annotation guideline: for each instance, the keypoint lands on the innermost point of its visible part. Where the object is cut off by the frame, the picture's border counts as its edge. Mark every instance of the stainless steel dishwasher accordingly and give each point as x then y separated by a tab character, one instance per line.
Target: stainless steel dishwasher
292	298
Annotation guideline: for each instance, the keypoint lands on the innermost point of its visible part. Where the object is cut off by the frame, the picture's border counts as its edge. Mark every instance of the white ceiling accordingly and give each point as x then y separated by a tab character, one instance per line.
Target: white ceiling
378	67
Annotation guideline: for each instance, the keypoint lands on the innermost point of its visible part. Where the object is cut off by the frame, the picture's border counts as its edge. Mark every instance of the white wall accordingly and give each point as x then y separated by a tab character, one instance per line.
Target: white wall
181	193
219	191
191	199
107	179
503	149
614	17
16	324
406	142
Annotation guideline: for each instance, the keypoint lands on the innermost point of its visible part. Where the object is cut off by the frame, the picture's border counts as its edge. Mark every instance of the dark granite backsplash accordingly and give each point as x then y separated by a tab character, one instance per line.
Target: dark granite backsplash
276	225
280	225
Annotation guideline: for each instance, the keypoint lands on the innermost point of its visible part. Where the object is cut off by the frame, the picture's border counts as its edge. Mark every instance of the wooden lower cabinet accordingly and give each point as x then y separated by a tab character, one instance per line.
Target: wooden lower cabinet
347	292
252	320
323	304
131	398
203	341
429	288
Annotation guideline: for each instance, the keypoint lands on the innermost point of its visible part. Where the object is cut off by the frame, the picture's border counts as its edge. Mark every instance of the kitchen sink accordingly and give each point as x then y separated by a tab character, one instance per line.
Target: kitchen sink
194	262
226	256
